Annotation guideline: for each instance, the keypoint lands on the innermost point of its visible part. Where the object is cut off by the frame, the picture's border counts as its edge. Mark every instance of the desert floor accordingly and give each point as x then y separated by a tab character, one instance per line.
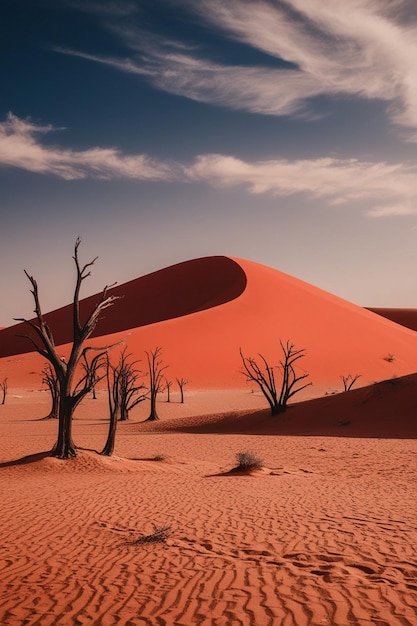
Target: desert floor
325	534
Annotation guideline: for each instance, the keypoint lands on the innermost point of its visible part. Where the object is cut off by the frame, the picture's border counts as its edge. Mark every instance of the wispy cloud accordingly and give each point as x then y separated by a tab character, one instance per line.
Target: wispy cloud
365	48
389	189
20	147
361	48
383	188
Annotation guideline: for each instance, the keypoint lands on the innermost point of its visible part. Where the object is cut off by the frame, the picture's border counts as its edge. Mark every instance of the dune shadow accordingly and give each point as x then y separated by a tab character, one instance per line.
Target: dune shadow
176	291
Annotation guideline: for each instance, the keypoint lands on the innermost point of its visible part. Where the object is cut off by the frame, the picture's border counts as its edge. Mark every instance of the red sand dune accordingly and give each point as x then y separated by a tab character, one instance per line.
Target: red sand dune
386	409
200	313
405	317
324	533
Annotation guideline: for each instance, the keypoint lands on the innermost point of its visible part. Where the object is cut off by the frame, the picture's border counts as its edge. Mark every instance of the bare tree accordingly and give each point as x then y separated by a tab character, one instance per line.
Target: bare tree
3	389
51	381
349	381
113	394
132	391
263	375
124	392
181	384
168	385
71	390
156	378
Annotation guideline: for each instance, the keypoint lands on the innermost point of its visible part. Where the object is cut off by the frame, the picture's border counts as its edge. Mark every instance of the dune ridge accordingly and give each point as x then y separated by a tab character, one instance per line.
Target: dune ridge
172	292
248	306
405	317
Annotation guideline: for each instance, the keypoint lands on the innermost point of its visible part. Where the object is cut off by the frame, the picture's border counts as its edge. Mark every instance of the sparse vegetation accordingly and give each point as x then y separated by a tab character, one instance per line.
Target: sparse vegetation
168	385
156	369
181	384
349	381
73	386
160	534
159	457
248	461
50	380
264	376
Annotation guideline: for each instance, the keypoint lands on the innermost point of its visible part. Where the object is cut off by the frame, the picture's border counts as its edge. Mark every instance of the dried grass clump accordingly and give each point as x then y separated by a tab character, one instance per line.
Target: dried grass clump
160	534
248	461
159	457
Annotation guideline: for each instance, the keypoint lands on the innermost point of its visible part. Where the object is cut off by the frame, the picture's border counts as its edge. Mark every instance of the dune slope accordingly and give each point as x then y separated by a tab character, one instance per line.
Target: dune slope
201	312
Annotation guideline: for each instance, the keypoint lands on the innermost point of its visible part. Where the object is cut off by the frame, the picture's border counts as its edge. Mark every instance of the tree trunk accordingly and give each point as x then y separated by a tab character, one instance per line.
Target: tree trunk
65	447
153	415
111	436
277	409
124	413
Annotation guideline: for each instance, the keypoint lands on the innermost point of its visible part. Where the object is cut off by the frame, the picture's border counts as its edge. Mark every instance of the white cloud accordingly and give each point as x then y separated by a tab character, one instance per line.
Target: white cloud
361	48
336	180
356	47
19	147
386	189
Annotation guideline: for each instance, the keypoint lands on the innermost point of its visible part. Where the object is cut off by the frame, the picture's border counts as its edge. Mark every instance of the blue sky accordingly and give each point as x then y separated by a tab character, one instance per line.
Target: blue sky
280	131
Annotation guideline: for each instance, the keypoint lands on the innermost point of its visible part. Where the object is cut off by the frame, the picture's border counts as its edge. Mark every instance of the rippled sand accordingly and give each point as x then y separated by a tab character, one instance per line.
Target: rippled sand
325	534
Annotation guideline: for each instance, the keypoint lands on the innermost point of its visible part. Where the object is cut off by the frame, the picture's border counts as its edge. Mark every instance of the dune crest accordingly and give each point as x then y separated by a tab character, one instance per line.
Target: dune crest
172	292
201	312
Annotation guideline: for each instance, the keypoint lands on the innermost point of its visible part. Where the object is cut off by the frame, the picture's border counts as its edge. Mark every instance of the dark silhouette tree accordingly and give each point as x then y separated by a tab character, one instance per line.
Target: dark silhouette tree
124	393
132	391
263	375
51	381
181	384
3	389
71	390
156	369
168	385
113	394
349	381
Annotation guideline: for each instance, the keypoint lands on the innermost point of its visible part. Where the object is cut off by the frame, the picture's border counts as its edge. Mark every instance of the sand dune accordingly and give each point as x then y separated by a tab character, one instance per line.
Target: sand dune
324	533
201	312
405	317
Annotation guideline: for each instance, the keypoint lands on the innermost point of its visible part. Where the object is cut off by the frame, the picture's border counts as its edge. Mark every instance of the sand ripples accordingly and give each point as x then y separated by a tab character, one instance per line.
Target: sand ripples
325	539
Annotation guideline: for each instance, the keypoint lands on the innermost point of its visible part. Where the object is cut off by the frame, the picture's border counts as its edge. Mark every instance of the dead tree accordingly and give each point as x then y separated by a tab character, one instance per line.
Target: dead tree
132	391
3	389
264	376
181	384
50	380
124	392
71	390
349	381
113	394
168	385
155	372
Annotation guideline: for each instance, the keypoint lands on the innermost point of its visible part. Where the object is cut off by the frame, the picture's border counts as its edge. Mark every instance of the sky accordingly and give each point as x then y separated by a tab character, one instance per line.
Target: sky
278	131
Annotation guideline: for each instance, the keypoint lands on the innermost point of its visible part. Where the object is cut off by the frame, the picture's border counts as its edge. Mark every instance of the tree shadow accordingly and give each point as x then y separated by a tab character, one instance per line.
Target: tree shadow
27	460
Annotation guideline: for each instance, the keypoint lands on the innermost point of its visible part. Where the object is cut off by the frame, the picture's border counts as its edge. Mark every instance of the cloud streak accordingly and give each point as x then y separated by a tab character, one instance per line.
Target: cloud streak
360	48
20	147
384	189
390	189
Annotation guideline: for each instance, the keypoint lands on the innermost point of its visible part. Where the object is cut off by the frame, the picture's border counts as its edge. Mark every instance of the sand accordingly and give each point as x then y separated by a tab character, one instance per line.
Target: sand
325	534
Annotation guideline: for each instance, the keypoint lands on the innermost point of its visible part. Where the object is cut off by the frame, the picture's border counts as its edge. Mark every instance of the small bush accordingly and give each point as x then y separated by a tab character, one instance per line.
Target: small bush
160	534
159	457
248	461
